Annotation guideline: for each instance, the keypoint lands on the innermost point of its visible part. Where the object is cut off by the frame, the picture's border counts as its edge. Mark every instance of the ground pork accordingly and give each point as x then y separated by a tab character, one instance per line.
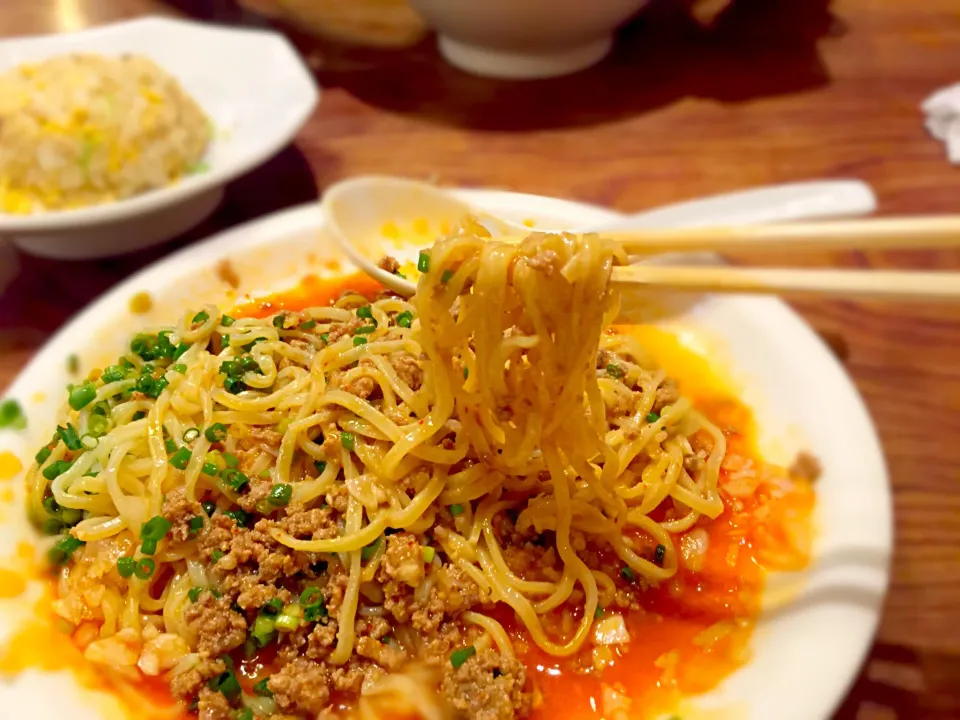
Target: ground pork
266	436
180	510
217	627
403	559
667	394
361	385
186	684
318	524
386	656
301	685
388	263
257	491
213	705
488	686
339	329
545	261
407	367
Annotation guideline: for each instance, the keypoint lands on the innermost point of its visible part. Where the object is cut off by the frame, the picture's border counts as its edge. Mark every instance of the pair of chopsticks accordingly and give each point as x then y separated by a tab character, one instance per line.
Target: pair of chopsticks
864	234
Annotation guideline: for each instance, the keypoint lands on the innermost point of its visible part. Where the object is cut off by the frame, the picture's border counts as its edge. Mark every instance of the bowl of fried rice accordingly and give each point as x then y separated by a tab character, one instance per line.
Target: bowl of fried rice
123	136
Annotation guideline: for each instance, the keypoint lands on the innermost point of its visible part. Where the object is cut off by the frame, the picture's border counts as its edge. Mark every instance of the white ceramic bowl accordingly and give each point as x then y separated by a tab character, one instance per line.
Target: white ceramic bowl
525	38
253	86
815	630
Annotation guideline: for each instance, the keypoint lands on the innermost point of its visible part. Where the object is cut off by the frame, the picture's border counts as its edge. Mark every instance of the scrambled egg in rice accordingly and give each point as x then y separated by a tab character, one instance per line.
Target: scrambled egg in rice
86	129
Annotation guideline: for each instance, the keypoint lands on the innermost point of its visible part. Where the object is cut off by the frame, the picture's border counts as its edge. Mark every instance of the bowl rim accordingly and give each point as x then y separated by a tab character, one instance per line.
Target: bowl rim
169	195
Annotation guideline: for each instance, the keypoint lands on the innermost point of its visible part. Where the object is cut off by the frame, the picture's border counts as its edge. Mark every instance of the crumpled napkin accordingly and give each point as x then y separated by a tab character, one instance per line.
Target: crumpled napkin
943	119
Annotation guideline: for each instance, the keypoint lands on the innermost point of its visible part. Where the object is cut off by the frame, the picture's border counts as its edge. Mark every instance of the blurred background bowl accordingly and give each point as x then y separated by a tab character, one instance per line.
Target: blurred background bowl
525	38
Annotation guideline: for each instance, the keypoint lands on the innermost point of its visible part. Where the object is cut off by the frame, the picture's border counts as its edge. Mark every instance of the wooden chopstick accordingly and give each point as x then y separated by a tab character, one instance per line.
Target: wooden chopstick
862	284
936	231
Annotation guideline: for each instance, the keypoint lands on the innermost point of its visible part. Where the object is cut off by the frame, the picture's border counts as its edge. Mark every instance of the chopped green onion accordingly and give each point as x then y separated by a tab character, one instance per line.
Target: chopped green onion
52	526
459	657
155	528
308	324
280	494
180	368
140	415
82	395
208	507
73	363
126	566
181	458
370	550
652	417
456	509
423	262
466	372
89	442
659	554
216	432
69	436
428	554
200	317
70	516
314	612
359	340
180	350
445	278
241	517
405	319
265	474
365	312
195	524
347	440
365	330
235	479
63	549
210	469
148	547
234	386
144	568
279	320
628	574
42	455
56	469
319	466
194	593
114	373
227	321
231	460
598	613
261	689
227	684
311	596
98	425
170	445
244	714
191	434
614	370
324	338
273	606
216	555
50	505
287	622
263	628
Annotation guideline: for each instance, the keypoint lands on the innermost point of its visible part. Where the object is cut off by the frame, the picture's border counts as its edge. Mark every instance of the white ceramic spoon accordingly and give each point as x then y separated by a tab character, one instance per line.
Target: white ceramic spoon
366	215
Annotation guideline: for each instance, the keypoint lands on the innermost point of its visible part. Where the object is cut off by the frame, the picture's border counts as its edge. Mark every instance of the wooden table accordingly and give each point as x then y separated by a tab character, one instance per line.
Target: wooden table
778	91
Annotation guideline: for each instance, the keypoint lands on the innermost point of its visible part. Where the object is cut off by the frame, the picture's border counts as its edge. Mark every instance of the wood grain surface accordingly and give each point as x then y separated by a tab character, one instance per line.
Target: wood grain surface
777	90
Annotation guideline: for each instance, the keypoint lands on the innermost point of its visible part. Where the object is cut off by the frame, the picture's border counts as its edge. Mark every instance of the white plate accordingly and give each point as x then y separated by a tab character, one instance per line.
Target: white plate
251	83
806	650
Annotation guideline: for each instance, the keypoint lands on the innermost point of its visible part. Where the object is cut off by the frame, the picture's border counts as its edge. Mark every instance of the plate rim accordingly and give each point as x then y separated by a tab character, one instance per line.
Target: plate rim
308	217
308	97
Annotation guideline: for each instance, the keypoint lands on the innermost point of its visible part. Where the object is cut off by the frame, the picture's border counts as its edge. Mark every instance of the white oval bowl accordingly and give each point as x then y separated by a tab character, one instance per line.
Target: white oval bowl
252	84
807	648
